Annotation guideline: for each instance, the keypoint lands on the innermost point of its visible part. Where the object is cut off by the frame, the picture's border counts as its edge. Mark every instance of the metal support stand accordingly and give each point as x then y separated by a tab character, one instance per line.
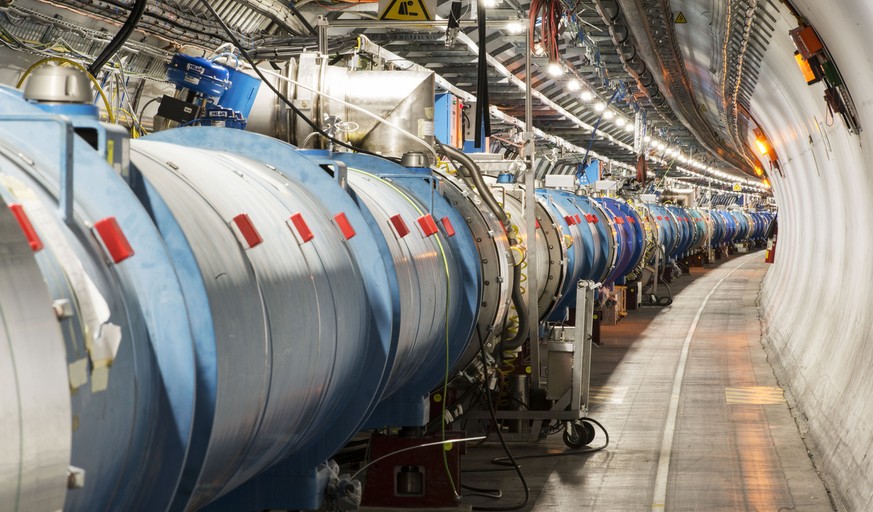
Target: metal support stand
568	366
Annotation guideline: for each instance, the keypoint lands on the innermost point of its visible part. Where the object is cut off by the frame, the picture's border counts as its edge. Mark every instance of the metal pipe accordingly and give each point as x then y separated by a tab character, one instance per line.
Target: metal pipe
524	324
530	218
475	175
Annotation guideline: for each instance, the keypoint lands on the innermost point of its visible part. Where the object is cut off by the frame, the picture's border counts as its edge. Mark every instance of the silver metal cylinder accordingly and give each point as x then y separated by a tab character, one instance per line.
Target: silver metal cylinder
422	272
35	428
402	98
289	318
497	262
551	261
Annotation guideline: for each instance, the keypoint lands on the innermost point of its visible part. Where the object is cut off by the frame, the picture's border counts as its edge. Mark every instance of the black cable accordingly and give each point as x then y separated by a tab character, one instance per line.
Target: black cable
273	88
483	492
500	437
483	111
481	489
504	461
486	470
149	102
120	38
668	300
303	20
475	174
523	318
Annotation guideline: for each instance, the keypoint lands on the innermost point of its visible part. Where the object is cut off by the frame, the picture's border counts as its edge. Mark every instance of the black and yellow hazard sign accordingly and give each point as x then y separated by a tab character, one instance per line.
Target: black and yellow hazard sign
680	18
406	10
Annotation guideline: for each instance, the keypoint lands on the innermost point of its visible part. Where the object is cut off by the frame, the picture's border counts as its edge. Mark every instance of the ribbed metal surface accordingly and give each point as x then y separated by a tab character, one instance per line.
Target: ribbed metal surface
492	245
34	391
281	355
604	236
668	235
551	269
421	273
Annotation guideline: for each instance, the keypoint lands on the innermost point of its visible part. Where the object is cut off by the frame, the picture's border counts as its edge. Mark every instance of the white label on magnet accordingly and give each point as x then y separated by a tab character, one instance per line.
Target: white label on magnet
78	373
425	128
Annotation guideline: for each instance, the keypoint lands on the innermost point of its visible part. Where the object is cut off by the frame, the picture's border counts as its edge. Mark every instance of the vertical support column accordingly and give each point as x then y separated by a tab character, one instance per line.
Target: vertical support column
582	338
530	222
640	132
322	25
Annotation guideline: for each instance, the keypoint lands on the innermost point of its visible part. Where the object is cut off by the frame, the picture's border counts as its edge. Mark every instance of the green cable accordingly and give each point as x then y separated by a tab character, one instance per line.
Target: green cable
448	295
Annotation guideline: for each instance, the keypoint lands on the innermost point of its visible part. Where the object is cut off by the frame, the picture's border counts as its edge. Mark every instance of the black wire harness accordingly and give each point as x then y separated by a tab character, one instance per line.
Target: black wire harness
120	38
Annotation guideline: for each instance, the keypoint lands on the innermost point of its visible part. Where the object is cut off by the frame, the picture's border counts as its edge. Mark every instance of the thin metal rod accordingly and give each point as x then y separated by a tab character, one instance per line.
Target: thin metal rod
421	24
530	221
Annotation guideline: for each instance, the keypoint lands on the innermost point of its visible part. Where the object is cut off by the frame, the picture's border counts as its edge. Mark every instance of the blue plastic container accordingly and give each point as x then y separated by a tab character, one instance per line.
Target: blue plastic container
199	75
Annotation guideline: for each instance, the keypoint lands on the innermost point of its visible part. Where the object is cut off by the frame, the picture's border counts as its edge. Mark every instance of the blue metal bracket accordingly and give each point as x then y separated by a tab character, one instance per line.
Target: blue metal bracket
66	157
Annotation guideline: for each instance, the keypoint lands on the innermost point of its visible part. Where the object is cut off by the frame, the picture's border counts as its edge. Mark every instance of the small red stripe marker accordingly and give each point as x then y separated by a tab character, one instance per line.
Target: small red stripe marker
113	238
447	227
304	234
344	225
631	220
248	231
538	223
619	220
400	226
569	220
427	224
29	232
578	219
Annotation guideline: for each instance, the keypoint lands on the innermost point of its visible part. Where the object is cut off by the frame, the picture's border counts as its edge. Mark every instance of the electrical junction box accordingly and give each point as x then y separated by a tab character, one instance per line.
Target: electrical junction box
567	181
455	126
606	185
448	120
806	41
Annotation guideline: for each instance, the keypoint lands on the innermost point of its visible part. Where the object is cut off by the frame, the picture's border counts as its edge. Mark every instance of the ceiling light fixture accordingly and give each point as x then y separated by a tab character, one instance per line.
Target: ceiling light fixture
514	27
555	69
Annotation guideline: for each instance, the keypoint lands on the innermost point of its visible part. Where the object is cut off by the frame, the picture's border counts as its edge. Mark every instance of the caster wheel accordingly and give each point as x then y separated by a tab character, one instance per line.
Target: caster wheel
584	434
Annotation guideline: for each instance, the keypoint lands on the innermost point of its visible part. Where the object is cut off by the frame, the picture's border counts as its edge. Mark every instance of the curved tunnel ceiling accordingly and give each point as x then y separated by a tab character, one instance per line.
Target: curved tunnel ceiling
709	54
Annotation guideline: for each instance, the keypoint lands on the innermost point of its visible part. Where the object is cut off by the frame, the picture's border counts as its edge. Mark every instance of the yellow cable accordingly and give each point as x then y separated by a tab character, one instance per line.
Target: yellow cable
448	296
76	65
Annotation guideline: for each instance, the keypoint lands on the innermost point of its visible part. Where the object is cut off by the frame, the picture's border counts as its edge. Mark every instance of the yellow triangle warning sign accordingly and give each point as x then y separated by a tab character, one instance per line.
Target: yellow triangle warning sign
680	18
406	10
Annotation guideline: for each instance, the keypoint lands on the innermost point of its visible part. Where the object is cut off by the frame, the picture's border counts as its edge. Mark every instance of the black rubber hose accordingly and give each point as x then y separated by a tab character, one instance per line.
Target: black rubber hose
499	433
483	102
120	38
523	318
475	174
302	18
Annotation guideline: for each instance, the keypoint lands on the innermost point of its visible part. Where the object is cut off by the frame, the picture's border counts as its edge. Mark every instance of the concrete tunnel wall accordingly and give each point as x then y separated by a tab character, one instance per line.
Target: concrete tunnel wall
818	297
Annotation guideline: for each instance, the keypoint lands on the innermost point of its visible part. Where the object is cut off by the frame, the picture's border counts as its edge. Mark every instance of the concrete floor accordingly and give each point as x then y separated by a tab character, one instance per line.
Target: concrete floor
734	443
